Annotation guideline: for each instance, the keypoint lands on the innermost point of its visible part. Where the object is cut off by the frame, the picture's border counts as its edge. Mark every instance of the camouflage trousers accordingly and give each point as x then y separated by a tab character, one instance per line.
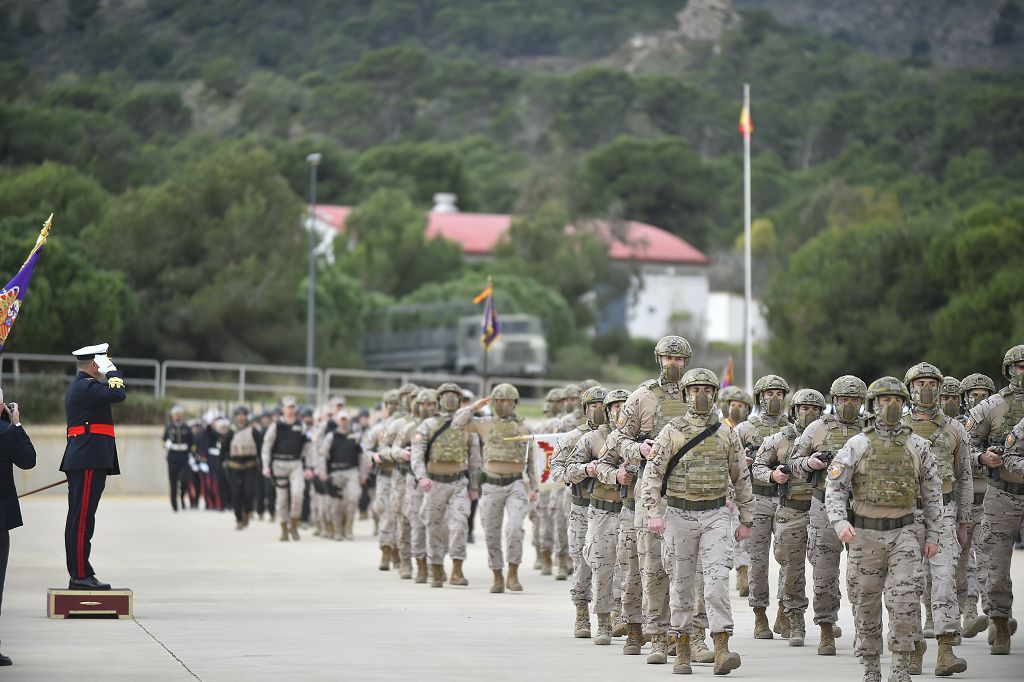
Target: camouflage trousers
319	507
972	569
1004	513
582	576
890	562
740	556
412	509
629	567
508	504
654	581
791	553
599	551
403	531
290	482
700	613
824	552
446	506
346	505
382	510
540	518
758	546
701	538
940	572
558	518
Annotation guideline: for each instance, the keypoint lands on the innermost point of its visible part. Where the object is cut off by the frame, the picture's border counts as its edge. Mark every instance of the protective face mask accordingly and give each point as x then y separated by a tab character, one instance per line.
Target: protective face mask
702	403
501	410
804	419
738	415
974	401
773	407
450	402
1016	379
847	412
428	410
951	408
672	373
891	414
597	416
613	416
926	397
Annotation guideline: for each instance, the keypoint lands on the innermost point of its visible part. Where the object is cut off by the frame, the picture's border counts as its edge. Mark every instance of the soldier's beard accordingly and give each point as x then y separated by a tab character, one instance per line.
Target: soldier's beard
738	415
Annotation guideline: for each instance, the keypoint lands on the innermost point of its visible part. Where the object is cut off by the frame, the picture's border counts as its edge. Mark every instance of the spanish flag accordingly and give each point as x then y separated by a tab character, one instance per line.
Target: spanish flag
746	123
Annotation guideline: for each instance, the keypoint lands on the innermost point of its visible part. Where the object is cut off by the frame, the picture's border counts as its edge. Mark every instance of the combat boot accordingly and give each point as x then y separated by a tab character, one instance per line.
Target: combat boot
618	622
761	628
545	562
658	653
827	641
915	660
947	662
973	622
928	630
796	628
349	532
385	558
405	569
681	666
239	524
538	562
560	571
436	575
743	580
318	529
1001	641
604	629
670	644
699	652
725	660
421	571
900	667
581	628
781	626
327	532
499	582
294	529
284	531
872	669
634	639
457	577
512	584
248	518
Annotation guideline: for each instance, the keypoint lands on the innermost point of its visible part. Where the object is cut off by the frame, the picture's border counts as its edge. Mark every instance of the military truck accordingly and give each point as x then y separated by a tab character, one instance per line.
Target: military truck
445	337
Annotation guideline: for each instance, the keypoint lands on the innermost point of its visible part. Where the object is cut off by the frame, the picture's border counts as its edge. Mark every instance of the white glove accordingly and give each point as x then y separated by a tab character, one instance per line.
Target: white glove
204	467
104	364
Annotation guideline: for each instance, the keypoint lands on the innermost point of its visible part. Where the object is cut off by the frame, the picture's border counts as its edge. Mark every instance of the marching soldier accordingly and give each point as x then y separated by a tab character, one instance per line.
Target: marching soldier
812	453
990	425
342	468
649	408
90	456
446	465
372	441
558	502
886	469
178	443
947	440
736	404
693	462
243	465
771	466
972	569
287	458
540	517
770	393
504	492
394	451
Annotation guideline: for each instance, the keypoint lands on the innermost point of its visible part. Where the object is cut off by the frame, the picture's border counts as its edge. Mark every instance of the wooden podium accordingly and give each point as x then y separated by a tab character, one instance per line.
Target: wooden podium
64	603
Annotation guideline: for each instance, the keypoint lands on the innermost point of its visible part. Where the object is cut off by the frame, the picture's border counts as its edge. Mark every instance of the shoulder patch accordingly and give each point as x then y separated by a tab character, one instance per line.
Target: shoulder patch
1010	440
115	382
835	470
969	424
419	437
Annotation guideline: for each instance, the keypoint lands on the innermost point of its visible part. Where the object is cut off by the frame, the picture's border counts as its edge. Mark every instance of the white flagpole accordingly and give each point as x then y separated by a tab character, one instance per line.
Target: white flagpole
748	347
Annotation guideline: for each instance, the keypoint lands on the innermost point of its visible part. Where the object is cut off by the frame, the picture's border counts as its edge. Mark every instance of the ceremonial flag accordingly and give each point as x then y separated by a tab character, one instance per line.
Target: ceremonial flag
727	374
486	293
13	293
491	327
746	123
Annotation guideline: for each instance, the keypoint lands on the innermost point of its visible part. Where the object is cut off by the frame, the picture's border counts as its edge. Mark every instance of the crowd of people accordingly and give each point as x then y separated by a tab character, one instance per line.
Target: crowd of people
646	501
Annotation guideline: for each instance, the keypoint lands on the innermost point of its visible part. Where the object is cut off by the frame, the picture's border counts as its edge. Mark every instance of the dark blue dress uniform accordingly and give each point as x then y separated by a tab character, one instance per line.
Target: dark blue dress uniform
90	456
15	450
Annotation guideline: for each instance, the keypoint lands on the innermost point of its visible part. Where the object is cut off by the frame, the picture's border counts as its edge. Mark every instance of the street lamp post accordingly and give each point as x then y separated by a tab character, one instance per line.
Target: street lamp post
314	161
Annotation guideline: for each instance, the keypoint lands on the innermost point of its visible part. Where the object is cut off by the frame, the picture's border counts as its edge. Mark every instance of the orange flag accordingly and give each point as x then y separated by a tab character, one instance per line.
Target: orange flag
746	123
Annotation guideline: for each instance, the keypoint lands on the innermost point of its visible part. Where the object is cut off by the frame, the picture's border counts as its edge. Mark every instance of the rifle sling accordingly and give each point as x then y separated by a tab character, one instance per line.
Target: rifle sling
437	434
690	444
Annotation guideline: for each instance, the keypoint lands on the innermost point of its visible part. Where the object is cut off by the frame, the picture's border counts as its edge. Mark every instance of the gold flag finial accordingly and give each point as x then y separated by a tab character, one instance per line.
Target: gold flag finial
41	241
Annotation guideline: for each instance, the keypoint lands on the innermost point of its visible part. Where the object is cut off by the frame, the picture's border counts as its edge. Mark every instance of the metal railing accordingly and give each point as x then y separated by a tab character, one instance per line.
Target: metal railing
34	366
247	380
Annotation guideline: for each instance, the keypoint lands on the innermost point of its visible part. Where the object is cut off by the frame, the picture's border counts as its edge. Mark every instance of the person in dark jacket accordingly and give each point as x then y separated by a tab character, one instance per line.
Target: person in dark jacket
178	442
90	456
15	450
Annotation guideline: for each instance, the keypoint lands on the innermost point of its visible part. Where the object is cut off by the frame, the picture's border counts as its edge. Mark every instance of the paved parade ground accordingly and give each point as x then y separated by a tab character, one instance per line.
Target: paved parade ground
212	603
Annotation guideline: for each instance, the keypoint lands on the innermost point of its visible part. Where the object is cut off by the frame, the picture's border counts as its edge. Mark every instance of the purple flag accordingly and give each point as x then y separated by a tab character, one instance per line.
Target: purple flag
491	327
13	293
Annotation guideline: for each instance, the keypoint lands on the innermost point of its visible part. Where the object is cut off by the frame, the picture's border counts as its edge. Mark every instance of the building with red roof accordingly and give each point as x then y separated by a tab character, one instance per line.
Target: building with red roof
670	296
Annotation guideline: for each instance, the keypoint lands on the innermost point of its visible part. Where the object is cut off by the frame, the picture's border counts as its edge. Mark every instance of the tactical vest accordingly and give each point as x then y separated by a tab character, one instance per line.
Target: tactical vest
703	472
668	408
451	447
603	491
763	429
890	473
940	443
289	441
798	488
243	443
497	449
344	453
1001	427
836	436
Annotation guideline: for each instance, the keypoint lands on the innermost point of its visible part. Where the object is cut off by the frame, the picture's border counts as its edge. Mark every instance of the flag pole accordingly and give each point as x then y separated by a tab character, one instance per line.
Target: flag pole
483	386
748	348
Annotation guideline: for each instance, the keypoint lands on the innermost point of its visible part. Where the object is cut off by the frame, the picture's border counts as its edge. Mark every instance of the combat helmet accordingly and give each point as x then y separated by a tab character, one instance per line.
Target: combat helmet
616	395
950	386
848	386
699	376
554	395
886	386
731	393
673	345
391	396
1015	354
449	387
977	380
922	370
426	395
594	394
505	392
769	382
807	396
589	383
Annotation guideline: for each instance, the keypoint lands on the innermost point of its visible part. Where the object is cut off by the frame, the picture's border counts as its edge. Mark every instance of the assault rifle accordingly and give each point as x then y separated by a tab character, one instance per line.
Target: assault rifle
825	456
994	473
784	487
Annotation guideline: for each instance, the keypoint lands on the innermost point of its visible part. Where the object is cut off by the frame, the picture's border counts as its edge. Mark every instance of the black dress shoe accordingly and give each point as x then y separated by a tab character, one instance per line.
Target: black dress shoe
5	660
89	583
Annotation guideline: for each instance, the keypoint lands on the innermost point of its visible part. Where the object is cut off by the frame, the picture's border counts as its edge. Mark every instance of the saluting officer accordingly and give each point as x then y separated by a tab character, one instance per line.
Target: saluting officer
90	456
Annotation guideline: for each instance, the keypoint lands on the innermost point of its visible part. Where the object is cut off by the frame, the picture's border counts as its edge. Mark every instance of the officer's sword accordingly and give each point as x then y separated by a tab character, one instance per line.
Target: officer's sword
45	487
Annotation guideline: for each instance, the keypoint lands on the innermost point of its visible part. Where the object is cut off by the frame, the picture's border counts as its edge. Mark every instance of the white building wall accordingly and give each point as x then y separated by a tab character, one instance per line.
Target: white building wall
725	318
664	291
